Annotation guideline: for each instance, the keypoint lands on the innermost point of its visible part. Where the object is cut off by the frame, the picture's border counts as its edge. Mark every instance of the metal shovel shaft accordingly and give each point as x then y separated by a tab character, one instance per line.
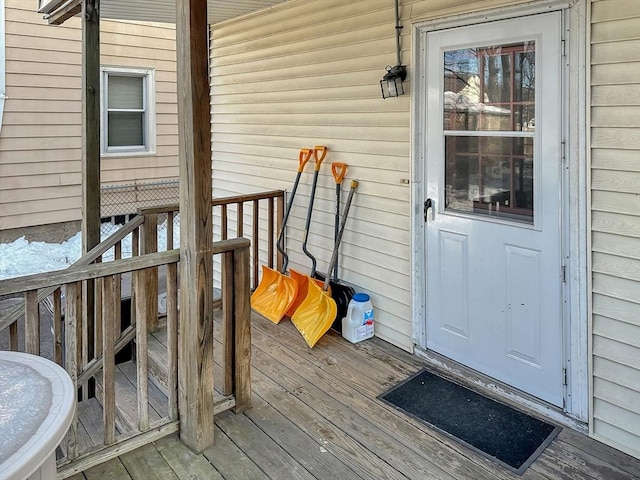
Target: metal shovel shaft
343	222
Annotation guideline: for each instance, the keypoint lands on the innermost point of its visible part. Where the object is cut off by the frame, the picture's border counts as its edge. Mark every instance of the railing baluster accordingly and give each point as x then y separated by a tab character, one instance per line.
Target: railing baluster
240	219
255	241
270	234
142	359
108	366
279	218
117	287
224	229
13	336
228	311
135	252
170	216
72	317
31	322
172	338
57	326
148	290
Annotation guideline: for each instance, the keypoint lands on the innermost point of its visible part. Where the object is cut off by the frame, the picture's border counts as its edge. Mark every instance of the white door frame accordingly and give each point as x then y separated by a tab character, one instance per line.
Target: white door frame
574	184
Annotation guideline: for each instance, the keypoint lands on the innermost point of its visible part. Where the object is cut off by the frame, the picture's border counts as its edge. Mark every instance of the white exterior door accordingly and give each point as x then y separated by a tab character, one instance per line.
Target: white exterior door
493	180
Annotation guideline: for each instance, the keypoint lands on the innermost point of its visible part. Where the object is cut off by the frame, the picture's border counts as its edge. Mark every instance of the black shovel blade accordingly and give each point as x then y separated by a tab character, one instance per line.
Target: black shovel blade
342	294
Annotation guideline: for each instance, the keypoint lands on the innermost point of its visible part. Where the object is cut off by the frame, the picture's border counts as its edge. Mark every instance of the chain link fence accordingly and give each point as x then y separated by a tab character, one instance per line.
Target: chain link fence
118	203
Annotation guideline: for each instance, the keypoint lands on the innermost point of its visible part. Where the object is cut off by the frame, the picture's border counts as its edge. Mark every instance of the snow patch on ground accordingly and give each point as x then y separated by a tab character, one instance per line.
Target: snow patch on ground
22	257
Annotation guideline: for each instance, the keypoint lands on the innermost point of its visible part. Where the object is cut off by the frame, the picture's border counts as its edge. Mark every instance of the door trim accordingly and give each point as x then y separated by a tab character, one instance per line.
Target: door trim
574	182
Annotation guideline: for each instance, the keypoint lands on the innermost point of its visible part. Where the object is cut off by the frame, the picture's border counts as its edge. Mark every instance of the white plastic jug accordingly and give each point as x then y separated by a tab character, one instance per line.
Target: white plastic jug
358	324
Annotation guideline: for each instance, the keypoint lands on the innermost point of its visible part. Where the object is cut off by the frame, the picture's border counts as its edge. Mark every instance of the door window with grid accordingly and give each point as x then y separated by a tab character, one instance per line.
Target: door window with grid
489	128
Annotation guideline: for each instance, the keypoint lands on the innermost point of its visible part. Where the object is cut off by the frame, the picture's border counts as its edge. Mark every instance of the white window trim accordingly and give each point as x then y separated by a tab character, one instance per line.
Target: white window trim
150	103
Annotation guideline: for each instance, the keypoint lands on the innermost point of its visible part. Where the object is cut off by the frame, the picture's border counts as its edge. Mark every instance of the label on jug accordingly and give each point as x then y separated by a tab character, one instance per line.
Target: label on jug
366	330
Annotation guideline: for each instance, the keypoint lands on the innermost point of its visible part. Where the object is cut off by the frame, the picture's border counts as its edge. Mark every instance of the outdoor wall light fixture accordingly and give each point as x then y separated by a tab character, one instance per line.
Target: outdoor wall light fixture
391	84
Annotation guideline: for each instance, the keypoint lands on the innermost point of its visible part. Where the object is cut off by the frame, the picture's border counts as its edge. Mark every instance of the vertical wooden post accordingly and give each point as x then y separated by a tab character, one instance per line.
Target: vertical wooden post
242	334
196	229
90	156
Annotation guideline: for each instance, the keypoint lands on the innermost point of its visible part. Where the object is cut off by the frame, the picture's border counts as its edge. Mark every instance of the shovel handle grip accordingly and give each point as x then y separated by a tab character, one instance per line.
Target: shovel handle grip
339	170
319	152
303	157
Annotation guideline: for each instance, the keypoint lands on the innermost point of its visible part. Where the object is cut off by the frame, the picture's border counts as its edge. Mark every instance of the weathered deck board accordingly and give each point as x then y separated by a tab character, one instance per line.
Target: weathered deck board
113	470
315	415
231	461
184	463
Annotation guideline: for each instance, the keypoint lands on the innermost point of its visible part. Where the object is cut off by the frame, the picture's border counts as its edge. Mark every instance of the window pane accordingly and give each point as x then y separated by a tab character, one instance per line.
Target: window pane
125	92
490	176
126	129
490	88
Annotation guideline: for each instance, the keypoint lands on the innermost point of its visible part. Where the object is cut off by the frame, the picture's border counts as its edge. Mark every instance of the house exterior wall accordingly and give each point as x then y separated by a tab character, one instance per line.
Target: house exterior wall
615	222
41	135
307	73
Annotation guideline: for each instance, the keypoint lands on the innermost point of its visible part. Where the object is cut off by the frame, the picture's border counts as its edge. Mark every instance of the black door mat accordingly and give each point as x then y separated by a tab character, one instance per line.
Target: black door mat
497	431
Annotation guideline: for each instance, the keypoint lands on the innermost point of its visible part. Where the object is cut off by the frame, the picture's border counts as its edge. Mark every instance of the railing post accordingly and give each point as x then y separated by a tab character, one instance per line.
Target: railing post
196	227
242	330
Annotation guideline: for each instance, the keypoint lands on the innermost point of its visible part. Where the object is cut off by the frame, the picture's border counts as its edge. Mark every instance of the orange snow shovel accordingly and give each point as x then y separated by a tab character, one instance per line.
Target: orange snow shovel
316	313
319	154
276	292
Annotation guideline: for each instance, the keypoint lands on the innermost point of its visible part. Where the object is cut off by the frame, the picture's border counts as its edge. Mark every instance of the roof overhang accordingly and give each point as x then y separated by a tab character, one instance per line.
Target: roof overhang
164	11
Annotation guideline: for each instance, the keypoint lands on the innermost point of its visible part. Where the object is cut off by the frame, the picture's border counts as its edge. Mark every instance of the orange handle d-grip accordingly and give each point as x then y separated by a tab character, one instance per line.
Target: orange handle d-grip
319	152
339	170
303	157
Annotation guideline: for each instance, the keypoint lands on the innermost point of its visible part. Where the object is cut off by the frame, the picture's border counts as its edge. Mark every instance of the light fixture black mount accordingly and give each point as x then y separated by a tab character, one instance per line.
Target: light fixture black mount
391	84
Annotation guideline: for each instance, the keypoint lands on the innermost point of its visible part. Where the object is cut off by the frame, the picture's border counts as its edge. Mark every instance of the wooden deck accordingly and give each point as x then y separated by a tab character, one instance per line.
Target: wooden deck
315	416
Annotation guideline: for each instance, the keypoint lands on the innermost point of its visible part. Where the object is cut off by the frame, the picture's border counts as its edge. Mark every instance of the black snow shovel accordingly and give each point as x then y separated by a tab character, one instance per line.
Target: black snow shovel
341	293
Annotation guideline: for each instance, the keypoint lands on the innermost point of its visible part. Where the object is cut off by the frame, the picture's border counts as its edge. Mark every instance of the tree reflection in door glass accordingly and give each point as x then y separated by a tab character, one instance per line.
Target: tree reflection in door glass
490	89
490	176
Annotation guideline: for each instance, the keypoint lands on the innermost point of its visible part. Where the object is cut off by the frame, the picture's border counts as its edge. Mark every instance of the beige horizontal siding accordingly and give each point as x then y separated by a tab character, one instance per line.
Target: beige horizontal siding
305	74
41	136
308	73
615	223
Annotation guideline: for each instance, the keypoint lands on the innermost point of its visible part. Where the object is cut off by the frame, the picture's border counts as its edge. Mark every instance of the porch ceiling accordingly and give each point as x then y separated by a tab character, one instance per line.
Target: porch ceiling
162	10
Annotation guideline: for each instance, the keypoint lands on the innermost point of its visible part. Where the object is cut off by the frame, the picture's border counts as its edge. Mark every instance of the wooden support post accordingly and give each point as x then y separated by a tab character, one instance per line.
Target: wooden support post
196	399
90	157
242	334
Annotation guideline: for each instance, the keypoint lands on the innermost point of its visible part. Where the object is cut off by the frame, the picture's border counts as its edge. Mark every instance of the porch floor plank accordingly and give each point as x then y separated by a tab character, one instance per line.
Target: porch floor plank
308	452
147	462
342	373
112	469
315	416
184	463
231	461
273	459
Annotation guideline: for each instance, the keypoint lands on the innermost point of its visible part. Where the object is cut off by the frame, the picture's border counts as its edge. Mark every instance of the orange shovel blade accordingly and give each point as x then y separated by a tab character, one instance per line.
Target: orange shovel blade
302	281
275	294
315	315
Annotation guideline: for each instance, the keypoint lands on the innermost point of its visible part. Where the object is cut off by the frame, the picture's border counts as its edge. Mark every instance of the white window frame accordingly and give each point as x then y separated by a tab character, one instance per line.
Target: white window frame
149	106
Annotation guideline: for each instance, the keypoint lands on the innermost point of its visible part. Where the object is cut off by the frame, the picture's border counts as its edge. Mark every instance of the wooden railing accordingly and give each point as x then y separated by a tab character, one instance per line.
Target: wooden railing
86	338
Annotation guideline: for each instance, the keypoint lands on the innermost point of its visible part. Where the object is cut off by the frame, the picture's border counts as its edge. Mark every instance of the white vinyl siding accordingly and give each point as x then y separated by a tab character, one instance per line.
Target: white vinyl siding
41	136
615	223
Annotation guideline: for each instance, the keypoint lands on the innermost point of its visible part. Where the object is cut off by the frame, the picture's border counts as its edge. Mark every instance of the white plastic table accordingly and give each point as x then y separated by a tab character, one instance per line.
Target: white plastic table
37	403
